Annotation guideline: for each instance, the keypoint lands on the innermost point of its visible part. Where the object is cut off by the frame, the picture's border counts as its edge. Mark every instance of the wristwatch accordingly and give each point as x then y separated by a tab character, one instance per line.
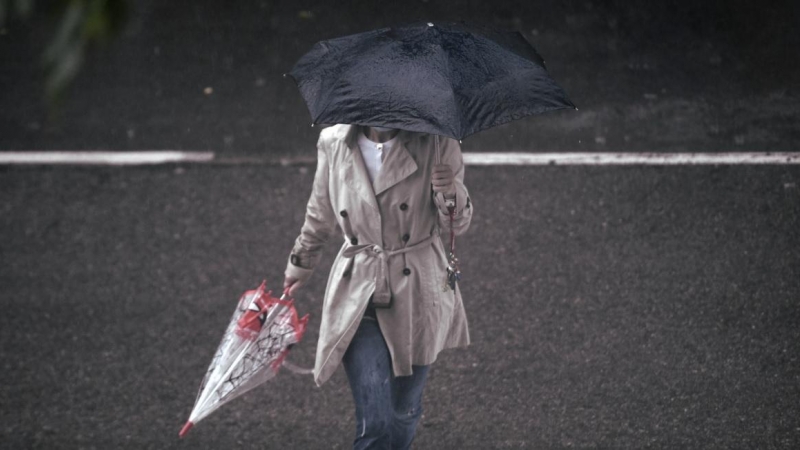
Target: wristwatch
295	260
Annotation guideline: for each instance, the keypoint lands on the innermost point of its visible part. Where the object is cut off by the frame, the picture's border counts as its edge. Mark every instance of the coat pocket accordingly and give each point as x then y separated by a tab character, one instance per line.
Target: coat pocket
435	275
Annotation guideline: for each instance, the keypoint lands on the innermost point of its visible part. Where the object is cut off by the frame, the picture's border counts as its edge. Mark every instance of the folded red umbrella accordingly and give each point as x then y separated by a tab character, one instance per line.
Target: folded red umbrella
255	344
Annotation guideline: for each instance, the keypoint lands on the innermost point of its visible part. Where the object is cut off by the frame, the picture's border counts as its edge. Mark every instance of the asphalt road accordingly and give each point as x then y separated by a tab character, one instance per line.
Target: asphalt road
609	308
677	75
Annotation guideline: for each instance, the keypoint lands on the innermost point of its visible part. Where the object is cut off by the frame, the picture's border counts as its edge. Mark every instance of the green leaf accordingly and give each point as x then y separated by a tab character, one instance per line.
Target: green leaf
64	69
66	33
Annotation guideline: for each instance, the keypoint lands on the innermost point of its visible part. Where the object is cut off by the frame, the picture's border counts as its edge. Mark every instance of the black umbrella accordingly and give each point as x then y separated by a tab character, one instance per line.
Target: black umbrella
443	78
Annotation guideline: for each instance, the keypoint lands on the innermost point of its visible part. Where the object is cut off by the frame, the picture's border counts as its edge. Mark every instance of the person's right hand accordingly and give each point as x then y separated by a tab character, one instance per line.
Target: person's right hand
290	286
442	180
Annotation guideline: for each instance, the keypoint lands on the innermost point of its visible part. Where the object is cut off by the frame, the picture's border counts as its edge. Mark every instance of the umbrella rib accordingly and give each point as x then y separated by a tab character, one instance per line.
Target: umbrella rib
449	79
224	376
456	103
270	318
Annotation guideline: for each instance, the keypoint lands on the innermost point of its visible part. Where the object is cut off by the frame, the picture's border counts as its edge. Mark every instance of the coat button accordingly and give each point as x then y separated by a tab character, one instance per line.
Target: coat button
343	213
406	271
346	274
406	237
354	241
403	207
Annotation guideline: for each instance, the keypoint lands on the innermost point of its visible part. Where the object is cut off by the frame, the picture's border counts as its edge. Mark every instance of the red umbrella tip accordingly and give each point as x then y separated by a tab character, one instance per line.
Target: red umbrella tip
186	428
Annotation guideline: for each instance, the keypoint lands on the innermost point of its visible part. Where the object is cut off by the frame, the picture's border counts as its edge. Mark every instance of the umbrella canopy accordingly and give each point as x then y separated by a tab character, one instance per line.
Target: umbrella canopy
253	347
440	78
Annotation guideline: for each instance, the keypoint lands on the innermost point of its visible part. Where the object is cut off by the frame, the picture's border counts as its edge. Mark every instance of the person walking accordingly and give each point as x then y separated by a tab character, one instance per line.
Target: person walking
388	308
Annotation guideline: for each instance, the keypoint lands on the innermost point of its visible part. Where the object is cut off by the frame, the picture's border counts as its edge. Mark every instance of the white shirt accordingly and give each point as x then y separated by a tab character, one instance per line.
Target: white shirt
374	154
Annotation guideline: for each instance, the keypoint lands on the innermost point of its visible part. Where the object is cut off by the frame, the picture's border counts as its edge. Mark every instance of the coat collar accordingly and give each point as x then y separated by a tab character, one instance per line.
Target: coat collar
354	171
399	159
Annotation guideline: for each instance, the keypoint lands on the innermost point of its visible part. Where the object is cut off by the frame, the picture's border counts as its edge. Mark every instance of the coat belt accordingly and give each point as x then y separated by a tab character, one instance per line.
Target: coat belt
382	293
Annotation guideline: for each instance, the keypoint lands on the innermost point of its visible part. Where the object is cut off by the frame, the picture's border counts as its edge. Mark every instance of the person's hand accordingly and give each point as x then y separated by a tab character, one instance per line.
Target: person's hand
442	180
290	286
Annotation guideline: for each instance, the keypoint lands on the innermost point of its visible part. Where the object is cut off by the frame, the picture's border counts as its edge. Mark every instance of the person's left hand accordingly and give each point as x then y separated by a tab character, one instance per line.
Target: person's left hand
442	180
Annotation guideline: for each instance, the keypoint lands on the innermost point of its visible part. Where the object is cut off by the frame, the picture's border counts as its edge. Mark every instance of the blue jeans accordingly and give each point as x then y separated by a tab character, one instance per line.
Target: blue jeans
387	407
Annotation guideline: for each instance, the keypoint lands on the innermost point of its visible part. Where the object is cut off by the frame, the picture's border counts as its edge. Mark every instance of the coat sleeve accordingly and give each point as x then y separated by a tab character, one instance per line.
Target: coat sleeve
319	223
451	154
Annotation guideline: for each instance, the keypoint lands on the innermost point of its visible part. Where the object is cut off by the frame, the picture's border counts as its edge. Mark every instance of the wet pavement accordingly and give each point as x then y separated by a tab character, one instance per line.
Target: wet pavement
609	307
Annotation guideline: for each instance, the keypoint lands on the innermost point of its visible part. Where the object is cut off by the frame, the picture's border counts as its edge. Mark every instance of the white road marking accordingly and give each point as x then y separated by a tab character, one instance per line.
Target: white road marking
105	158
612	159
128	158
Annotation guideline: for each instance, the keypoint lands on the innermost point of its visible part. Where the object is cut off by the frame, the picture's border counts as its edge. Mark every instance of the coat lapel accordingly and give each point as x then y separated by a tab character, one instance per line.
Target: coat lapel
398	166
354	171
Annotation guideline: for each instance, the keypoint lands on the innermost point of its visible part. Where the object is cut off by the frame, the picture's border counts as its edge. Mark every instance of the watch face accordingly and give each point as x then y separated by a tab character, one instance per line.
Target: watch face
295	260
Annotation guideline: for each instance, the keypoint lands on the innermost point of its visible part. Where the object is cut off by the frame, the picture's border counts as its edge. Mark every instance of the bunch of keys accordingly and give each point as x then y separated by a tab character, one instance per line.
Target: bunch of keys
453	274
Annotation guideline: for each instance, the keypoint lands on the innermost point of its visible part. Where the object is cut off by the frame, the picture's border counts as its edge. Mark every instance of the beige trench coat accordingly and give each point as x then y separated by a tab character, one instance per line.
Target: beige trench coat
391	248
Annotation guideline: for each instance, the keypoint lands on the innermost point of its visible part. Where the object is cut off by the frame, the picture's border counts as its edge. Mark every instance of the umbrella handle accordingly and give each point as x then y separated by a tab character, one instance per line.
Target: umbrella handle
296	369
438	158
